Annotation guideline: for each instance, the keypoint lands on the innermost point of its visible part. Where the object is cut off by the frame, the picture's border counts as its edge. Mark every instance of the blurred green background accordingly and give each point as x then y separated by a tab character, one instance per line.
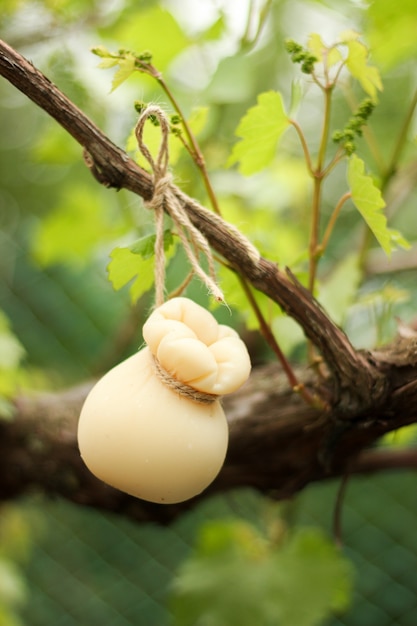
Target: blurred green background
67	566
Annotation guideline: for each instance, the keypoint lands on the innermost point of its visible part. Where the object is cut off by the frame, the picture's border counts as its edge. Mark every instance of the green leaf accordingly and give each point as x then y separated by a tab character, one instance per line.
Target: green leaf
145	246
403	437
368	200
136	262
357	64
318	48
102	52
82	220
126	68
124	266
108	62
150	28
300	581
312	568
260	129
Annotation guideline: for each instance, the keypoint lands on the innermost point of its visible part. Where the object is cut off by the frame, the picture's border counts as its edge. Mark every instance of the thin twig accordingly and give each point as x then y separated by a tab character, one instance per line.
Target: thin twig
351	369
268	335
337	514
332	221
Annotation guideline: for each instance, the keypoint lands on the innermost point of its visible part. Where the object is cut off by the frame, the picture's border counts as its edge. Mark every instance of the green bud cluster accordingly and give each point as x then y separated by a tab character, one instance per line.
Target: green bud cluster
175	124
175	119
300	55
145	57
140	107
354	127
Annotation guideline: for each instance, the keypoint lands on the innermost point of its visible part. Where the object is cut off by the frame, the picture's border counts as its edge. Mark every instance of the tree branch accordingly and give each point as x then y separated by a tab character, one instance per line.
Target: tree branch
352	371
277	443
275	451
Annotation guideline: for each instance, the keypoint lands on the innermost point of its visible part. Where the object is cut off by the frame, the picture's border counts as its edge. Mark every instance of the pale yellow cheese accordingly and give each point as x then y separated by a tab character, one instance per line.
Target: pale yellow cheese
140	436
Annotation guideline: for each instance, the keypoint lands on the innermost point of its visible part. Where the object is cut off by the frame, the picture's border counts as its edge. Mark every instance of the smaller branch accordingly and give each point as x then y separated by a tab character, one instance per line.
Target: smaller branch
318	182
357	382
385	459
338	509
332	221
192	146
339	156
339	71
314	252
195	151
328	90
266	332
247	41
304	145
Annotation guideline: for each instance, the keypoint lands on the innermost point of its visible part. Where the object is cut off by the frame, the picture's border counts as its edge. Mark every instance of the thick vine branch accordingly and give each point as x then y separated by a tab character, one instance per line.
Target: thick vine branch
277	443
357	381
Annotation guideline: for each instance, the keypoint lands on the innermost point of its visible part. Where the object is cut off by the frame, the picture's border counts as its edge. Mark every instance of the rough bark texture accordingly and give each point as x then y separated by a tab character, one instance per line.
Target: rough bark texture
277	443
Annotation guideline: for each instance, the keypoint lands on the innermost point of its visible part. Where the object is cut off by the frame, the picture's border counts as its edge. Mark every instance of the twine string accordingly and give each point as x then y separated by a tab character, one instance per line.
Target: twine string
182	389
165	199
169	199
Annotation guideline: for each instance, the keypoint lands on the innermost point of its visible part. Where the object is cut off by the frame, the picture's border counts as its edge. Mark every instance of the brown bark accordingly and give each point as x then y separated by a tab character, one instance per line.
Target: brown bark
278	444
113	168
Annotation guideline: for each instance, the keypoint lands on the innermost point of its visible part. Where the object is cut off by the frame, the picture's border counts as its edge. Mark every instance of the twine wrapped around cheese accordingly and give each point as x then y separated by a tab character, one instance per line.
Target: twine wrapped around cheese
186	391
192	350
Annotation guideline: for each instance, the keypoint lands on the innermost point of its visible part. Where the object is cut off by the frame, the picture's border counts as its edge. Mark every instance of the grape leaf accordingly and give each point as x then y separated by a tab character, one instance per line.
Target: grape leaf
126	68
311	568
108	62
238	577
136	262
150	27
368	200
331	55
260	129
83	218
357	64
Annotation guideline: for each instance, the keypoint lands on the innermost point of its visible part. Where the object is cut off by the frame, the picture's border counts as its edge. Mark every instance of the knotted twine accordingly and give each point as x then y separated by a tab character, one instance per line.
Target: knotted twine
164	199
